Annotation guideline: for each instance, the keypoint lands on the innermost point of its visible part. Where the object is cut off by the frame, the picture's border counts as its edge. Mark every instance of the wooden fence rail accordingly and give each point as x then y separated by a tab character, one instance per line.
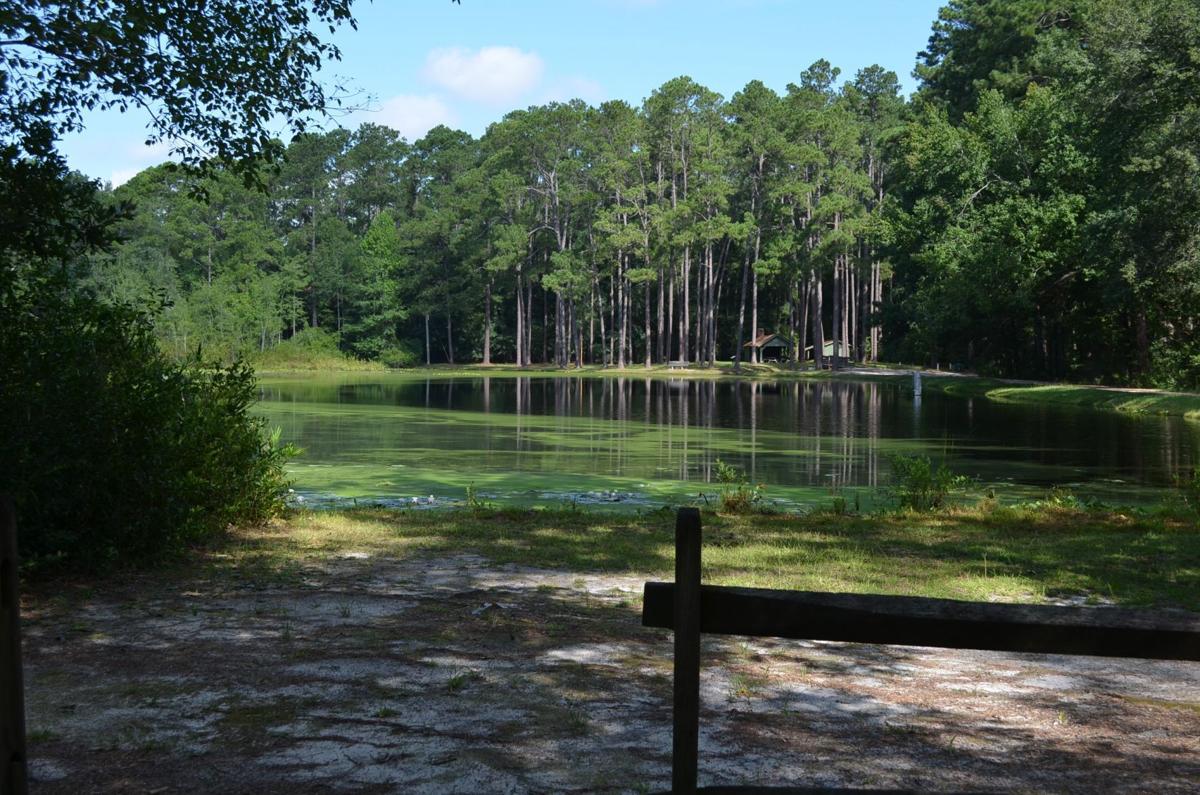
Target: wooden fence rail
691	608
943	623
13	774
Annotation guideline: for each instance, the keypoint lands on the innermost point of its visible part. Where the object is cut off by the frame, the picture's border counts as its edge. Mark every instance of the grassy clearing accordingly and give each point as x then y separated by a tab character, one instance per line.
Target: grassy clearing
1129	401
1023	554
276	360
309	350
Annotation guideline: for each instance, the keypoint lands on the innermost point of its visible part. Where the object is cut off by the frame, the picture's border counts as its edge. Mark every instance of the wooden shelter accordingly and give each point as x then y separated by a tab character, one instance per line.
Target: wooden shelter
770	346
827	351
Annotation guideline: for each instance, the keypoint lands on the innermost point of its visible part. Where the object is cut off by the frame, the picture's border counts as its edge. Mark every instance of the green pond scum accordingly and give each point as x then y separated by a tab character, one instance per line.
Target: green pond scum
637	441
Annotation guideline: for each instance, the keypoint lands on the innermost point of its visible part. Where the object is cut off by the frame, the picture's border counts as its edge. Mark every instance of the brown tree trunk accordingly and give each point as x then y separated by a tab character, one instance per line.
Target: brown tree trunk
741	327
1143	344
646	296
621	289
520	352
818	325
487	322
753	312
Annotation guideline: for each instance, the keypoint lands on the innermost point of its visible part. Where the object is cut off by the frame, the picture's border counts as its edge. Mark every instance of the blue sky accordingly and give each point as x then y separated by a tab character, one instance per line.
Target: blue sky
429	62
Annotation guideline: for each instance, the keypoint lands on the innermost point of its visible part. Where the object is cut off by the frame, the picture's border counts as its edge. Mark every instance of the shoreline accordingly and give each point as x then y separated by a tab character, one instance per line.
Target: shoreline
1127	400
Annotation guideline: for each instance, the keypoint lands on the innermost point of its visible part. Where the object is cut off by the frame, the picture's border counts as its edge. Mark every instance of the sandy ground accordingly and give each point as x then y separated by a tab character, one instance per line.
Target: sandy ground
451	675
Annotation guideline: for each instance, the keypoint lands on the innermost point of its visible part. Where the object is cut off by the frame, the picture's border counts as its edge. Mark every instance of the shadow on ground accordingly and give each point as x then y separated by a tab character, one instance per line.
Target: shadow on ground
450	673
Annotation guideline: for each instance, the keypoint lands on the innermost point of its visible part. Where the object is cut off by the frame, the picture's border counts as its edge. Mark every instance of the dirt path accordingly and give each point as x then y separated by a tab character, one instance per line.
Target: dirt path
451	675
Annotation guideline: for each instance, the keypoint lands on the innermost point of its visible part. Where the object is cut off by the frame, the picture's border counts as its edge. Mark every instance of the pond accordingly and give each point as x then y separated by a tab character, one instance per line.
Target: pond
400	438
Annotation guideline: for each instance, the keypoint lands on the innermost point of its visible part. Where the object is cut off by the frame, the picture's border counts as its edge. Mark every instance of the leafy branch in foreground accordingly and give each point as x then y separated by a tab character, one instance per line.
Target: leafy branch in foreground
172	60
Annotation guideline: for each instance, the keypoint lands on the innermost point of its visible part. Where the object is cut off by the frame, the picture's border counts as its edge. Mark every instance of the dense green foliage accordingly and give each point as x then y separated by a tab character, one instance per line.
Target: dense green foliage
186	63
109	447
567	234
313	349
920	485
1033	211
1049	196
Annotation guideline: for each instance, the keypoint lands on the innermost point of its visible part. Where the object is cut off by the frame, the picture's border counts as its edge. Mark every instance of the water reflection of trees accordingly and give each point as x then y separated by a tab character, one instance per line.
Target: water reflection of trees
830	434
800	433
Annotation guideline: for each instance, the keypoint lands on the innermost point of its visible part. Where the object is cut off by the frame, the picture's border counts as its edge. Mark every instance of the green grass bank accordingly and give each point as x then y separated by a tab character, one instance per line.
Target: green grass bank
1032	553
1129	401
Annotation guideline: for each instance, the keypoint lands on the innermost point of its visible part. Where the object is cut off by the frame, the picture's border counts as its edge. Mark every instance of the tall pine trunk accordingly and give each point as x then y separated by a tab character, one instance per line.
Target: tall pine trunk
818	325
646	295
621	320
487	322
741	325
520	352
753	313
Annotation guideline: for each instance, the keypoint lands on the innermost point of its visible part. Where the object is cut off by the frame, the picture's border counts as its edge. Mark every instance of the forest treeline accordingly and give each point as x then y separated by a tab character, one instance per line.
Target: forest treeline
1032	210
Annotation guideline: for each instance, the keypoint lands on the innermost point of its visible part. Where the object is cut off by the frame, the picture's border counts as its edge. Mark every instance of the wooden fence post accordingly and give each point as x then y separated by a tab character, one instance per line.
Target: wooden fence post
13	778
685	748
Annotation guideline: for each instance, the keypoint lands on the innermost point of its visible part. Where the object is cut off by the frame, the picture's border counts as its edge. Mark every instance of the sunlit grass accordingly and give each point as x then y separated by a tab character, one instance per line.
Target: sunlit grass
1023	554
1149	402
1128	401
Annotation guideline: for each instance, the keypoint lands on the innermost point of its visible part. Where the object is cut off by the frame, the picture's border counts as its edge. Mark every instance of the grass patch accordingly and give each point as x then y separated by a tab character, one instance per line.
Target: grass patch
1129	401
1016	554
458	681
745	687
39	736
272	361
253	720
309	349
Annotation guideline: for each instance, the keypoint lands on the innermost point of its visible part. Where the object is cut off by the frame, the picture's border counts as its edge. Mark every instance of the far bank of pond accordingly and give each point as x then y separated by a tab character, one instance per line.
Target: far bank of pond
642	440
1124	399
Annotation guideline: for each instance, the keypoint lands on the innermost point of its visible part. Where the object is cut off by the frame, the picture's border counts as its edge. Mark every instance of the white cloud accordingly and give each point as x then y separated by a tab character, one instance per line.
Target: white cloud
156	152
494	75
138	157
123	175
412	115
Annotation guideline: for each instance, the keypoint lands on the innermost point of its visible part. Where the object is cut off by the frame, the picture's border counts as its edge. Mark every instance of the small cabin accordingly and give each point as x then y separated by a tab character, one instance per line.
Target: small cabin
770	346
828	353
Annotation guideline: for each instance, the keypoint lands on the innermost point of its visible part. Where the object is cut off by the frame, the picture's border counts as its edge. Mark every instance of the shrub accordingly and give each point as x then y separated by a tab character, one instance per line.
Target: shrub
109	449
399	356
309	349
1189	487
314	340
918	485
737	496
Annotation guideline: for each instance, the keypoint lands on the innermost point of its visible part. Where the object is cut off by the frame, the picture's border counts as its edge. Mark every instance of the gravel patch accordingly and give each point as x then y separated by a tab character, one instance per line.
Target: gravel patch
443	675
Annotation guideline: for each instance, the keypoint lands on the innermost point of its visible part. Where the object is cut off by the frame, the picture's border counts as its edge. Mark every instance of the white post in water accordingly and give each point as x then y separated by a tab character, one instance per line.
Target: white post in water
916	383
